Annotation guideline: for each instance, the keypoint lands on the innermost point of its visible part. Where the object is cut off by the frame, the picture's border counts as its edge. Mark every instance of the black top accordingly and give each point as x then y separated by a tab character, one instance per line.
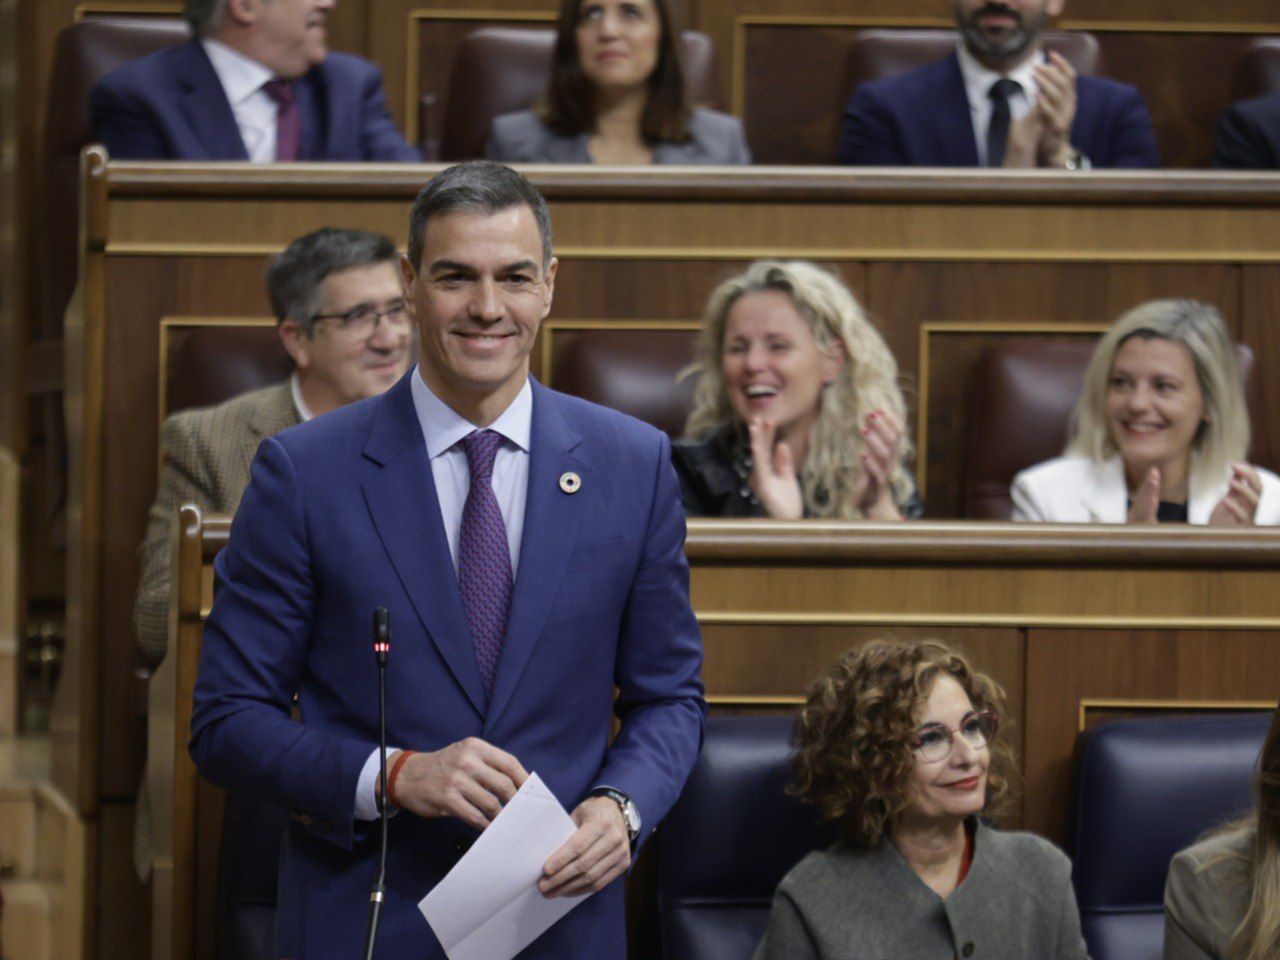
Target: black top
714	472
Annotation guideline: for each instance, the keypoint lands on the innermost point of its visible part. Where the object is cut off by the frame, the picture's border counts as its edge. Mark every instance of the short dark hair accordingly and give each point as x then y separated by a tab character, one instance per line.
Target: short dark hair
477	185
294	275
569	106
204	15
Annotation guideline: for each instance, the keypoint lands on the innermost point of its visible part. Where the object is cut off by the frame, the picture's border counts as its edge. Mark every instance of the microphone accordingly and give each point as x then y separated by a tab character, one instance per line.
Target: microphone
381	647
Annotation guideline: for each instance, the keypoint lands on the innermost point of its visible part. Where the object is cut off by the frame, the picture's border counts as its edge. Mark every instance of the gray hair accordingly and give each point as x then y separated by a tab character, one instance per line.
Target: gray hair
1223	437
294	276
205	16
477	185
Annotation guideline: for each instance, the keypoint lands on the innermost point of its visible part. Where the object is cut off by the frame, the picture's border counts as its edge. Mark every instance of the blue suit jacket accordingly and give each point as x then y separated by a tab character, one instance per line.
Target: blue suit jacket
170	105
340	517
1248	135
921	118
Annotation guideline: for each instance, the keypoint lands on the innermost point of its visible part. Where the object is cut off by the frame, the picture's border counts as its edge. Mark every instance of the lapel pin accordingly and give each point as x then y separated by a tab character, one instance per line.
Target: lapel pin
570	482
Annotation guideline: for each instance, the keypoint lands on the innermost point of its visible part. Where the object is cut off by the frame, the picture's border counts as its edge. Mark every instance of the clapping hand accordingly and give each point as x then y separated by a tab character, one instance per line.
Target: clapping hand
1042	136
773	472
881	452
1240	505
1146	501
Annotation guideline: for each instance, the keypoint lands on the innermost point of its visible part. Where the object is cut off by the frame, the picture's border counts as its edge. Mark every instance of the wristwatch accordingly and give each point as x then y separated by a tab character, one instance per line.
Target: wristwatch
630	814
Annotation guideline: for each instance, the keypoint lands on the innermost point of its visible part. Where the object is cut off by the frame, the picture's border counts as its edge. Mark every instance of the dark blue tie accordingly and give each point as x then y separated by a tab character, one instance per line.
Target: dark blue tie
484	556
998	129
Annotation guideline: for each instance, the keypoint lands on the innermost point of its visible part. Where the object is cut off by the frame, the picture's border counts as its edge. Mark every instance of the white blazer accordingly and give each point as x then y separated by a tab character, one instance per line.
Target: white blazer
1080	490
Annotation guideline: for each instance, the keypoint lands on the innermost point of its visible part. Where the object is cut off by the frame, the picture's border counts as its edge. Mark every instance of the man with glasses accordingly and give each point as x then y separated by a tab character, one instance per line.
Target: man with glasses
343	318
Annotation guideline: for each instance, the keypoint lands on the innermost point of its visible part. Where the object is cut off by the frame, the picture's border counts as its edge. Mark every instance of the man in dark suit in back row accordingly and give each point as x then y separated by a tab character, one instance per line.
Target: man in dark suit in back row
1000	100
256	83
1248	135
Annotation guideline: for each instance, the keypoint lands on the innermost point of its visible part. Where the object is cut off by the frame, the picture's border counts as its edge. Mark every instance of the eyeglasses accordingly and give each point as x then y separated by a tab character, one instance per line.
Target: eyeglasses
360	322
935	741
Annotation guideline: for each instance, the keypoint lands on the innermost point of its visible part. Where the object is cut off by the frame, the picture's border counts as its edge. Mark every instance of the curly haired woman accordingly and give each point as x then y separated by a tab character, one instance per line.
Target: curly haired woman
899	749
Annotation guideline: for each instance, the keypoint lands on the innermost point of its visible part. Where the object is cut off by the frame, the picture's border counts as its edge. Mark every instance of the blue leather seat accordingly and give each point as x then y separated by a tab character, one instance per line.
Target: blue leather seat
1145	790
729	840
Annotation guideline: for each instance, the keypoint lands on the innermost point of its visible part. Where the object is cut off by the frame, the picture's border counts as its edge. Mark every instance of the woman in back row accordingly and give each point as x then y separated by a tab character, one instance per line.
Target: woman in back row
1160	431
617	95
796	408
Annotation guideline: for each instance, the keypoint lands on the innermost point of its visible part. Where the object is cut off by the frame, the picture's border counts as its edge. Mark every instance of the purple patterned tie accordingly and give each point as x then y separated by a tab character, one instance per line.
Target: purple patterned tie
484	558
288	119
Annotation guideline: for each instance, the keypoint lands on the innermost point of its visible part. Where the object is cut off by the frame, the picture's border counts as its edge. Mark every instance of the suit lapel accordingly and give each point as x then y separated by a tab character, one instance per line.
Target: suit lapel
204	103
952	119
274	413
551	522
406	513
312	112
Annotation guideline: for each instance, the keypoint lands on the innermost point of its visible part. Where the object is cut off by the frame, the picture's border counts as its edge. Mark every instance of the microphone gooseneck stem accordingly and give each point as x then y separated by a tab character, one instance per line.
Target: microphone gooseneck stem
381	647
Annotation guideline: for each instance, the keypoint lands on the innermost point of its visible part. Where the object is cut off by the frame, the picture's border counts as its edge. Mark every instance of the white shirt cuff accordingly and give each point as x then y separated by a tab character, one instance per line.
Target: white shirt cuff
366	799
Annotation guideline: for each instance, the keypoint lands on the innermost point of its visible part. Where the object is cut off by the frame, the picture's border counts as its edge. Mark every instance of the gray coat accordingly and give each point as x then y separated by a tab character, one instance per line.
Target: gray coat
1205	896
522	138
848	904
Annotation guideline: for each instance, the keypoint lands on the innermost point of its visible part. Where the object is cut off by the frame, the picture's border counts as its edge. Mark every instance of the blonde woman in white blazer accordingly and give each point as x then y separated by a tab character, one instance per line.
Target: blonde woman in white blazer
1159	433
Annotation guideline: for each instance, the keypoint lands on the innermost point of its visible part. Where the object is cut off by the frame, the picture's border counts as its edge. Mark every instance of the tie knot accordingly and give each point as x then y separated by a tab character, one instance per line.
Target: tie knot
482	448
1003	89
281	91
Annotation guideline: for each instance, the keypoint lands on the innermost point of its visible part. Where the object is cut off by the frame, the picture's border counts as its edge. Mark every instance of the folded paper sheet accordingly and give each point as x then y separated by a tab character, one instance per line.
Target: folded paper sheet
488	906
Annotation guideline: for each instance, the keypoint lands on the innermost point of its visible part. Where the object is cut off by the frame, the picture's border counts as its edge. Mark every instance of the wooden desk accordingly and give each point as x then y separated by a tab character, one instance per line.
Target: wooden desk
1078	624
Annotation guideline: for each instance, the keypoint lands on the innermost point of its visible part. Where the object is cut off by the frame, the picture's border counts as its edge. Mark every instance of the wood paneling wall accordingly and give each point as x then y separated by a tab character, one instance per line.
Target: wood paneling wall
944	266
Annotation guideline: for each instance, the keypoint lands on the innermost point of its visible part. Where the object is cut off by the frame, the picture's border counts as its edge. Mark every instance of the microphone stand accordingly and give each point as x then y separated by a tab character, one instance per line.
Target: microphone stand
381	647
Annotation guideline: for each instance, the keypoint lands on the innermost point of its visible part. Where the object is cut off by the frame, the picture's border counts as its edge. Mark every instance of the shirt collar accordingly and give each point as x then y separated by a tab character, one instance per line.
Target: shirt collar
442	426
241	76
978	77
299	403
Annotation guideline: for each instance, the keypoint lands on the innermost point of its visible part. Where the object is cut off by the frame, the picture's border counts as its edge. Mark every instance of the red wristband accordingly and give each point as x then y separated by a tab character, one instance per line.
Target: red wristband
395	772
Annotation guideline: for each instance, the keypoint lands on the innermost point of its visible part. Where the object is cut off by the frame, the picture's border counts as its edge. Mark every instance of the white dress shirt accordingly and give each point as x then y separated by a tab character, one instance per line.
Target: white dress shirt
978	81
242	79
299	402
443	429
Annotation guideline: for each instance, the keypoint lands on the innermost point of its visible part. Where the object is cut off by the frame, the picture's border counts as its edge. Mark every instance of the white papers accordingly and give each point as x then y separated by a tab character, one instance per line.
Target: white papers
488	906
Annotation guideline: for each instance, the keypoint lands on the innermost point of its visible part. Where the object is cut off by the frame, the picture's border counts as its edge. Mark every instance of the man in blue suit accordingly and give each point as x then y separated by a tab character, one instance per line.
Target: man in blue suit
998	101
529	548
257	83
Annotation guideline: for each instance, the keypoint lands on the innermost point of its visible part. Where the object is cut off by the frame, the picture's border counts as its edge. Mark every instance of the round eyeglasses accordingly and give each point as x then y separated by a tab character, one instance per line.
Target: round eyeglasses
935	741
359	323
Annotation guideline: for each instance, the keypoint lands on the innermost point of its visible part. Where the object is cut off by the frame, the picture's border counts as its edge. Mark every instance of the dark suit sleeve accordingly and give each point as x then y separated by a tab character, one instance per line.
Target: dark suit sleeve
660	702
868	135
1133	135
255	648
125	126
379	138
1240	143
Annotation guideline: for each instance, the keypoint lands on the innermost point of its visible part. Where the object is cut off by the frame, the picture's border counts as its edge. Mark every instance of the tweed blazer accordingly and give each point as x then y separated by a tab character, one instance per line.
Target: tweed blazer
205	456
1205	896
522	138
848	904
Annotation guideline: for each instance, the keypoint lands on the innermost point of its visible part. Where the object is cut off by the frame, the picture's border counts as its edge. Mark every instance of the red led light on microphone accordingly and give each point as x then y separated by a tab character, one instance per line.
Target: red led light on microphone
382	648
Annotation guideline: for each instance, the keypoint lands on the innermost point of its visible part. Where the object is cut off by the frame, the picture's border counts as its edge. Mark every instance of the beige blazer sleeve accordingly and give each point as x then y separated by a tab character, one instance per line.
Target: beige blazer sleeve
185	477
1191	927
